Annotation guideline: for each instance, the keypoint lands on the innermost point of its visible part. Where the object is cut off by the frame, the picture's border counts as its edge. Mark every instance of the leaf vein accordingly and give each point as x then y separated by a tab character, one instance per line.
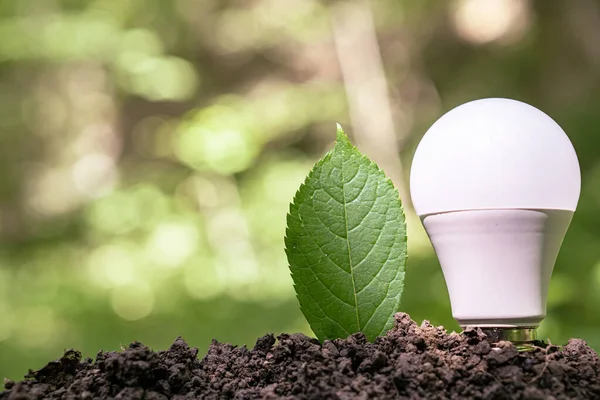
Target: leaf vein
350	252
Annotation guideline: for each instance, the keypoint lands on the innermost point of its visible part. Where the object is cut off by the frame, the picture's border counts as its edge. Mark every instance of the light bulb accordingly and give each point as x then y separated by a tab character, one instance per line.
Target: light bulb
495	183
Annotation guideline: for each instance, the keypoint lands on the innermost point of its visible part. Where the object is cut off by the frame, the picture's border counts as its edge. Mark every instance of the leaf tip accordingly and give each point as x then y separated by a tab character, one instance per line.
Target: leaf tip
341	135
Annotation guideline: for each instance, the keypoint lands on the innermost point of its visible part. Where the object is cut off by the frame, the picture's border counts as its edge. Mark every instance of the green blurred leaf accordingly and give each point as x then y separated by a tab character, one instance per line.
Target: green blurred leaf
346	245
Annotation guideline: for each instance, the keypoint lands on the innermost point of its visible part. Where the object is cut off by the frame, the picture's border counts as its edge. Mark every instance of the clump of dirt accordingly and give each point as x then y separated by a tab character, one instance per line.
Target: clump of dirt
417	362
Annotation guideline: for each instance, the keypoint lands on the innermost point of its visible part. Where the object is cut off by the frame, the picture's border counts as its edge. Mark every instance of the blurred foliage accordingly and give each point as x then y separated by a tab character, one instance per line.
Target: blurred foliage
150	150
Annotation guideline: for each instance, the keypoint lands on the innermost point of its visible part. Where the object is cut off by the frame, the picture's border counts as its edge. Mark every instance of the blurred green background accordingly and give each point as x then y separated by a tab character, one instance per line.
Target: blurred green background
149	150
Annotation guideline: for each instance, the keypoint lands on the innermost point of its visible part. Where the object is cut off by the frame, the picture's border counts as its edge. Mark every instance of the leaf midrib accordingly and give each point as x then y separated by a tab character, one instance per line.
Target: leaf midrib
348	247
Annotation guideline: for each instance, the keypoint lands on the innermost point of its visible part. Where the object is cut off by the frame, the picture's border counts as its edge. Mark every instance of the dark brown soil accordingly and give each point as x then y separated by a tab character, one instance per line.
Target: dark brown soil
409	362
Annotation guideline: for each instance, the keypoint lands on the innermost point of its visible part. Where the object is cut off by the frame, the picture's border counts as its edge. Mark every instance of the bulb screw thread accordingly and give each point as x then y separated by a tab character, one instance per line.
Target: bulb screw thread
524	338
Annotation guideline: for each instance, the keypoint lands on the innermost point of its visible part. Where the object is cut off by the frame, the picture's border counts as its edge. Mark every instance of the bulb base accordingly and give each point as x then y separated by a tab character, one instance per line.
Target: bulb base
524	337
498	262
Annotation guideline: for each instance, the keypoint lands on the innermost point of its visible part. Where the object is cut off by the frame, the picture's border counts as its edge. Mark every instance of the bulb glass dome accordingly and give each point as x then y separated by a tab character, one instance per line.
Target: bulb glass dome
494	154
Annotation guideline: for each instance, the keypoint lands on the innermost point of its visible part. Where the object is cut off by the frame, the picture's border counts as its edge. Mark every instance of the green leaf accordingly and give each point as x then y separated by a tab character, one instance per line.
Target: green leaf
346	245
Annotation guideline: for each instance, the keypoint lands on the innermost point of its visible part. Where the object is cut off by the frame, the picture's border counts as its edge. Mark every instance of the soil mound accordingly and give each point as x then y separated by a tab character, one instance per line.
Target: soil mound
416	362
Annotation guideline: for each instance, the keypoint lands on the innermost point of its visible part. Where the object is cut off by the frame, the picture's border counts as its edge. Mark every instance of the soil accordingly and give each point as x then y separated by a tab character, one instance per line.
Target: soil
411	361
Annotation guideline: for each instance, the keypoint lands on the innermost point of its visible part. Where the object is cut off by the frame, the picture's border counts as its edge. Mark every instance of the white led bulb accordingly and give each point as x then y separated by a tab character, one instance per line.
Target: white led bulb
495	183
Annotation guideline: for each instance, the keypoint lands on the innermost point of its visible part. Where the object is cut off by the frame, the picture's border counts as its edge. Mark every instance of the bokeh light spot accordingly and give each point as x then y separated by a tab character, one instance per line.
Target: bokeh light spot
484	21
113	265
141	41
172	243
95	175
201	279
52	192
224	150
133	302
164	78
